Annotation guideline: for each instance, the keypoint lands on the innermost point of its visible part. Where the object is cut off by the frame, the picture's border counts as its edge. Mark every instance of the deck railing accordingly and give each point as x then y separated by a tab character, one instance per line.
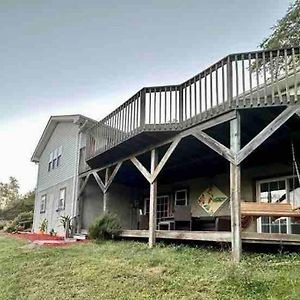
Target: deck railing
251	79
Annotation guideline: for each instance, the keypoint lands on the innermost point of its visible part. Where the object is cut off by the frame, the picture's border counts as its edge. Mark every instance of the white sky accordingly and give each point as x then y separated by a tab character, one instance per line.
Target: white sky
88	57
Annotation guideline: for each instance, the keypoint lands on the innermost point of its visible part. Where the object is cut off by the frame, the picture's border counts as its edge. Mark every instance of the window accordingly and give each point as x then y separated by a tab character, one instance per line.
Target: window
162	207
50	162
43	204
279	190
55	159
181	197
62	199
59	153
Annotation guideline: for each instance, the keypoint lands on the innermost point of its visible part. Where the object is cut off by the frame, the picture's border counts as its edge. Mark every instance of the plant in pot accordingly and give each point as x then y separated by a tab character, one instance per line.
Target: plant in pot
43	226
52	232
65	221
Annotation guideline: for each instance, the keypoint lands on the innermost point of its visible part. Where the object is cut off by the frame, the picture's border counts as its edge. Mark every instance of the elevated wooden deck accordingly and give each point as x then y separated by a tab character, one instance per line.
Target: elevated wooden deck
238	81
217	236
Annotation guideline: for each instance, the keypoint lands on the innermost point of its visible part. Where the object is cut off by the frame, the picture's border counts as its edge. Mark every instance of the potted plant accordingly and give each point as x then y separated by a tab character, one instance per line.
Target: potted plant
43	226
66	223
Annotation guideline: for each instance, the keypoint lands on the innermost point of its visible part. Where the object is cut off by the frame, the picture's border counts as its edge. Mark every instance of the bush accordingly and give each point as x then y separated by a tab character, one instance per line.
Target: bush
106	227
24	219
11	227
2	224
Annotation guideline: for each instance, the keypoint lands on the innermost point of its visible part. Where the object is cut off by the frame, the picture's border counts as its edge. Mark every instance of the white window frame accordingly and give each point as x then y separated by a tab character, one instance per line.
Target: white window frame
55	159
50	161
43	203
62	200
258	192
59	154
186	197
157	211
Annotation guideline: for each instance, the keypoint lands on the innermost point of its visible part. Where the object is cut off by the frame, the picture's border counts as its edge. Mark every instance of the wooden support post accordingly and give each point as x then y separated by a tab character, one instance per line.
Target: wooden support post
235	191
79	214
105	194
153	200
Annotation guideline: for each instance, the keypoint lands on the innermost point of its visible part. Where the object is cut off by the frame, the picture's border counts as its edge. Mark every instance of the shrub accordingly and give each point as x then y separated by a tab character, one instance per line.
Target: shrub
24	219
11	227
107	226
2	224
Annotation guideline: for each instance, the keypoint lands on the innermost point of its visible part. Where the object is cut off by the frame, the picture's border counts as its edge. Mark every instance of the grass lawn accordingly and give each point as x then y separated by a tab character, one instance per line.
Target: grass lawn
129	270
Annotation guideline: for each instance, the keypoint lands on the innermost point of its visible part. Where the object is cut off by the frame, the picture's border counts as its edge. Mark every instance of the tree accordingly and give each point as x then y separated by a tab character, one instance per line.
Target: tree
12	203
286	32
9	193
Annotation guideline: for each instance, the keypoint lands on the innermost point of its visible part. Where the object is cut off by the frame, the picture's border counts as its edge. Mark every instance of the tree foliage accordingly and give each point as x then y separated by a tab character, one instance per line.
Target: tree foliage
286	32
9	193
12	203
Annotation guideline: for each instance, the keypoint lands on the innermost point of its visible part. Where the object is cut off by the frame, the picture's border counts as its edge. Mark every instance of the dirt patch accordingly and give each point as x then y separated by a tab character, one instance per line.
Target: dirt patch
156	270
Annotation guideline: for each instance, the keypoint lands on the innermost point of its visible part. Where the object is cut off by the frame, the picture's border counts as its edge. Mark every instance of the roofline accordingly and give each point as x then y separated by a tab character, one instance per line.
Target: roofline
48	130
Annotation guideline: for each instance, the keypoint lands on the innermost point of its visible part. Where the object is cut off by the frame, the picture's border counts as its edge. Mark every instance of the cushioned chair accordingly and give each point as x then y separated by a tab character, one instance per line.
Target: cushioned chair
183	217
143	222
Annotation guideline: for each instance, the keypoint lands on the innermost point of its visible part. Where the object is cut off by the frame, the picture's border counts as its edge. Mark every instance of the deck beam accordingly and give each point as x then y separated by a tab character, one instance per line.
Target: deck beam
266	132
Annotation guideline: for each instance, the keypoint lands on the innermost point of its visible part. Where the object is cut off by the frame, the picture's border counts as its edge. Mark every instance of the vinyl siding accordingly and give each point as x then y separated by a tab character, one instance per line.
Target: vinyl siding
50	183
65	135
51	213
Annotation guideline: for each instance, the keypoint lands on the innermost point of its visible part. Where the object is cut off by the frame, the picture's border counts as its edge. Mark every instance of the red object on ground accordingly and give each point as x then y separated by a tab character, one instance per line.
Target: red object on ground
54	241
38	236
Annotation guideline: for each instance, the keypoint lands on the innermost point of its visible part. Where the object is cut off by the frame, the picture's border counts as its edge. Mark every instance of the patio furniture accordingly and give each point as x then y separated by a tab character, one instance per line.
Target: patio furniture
143	222
183	217
259	209
167	222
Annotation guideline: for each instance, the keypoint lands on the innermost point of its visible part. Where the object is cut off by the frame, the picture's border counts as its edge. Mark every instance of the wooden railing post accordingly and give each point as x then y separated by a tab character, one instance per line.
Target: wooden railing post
180	104
143	108
229	82
235	190
153	200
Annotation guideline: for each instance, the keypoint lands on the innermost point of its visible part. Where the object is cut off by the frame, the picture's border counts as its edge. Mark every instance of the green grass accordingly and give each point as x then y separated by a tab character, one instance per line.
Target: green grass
129	270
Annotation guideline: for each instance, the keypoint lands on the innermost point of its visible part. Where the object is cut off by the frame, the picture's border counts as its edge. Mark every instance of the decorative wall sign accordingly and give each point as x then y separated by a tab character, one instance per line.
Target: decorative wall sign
212	199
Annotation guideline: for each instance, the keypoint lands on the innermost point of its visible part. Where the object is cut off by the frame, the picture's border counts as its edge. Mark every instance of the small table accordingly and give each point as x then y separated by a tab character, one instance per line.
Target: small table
169	223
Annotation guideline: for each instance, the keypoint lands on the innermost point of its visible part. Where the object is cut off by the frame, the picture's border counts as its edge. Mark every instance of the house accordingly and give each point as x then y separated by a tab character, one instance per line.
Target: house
59	158
211	159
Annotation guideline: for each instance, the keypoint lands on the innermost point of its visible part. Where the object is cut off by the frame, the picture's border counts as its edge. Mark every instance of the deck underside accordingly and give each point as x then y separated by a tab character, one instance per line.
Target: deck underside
217	236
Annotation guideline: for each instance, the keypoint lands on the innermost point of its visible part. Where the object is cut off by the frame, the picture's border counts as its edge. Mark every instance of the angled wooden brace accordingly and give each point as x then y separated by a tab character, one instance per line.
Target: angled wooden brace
99	181
112	176
83	185
266	132
215	145
141	168
165	158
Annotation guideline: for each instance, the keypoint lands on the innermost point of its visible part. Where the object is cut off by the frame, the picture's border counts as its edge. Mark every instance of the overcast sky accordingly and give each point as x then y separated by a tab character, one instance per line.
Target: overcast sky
74	56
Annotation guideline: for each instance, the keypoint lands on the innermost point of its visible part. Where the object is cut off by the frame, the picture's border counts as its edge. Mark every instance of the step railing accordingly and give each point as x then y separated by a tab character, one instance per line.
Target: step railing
251	79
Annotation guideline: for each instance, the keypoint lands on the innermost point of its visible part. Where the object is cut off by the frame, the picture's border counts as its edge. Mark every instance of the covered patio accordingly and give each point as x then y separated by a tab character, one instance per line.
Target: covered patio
209	159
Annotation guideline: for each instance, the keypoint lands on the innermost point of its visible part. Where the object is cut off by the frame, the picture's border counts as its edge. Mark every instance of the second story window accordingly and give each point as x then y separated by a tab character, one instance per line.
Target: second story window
181	197
43	204
62	199
55	159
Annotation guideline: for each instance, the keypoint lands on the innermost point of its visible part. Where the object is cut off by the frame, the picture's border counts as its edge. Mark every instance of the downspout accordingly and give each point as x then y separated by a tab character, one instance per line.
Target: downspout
75	178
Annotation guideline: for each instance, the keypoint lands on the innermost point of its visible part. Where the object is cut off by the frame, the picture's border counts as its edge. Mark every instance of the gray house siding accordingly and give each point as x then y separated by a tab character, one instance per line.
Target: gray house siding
65	135
92	205
50	182
52	213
